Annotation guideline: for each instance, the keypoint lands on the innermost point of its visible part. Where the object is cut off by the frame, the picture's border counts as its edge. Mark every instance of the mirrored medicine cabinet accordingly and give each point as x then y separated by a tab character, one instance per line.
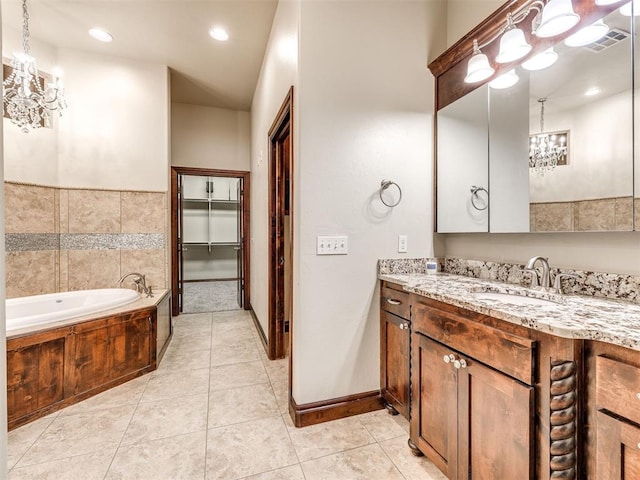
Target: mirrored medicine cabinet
491	174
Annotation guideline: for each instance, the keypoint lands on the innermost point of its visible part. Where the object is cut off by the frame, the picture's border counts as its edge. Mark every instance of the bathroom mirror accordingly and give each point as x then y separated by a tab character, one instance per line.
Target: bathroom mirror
588	109
463	174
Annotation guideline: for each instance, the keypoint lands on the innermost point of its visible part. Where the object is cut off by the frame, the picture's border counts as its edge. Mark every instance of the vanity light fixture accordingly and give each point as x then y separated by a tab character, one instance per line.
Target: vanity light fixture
478	68
505	80
541	61
556	17
27	100
101	35
219	33
513	45
588	34
630	8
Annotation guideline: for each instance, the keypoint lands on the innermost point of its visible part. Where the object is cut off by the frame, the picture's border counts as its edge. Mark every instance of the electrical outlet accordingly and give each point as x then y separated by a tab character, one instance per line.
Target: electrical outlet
402	243
332	245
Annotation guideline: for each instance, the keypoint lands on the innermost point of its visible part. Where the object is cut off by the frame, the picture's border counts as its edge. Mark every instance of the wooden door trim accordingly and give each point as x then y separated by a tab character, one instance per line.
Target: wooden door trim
246	182
283	124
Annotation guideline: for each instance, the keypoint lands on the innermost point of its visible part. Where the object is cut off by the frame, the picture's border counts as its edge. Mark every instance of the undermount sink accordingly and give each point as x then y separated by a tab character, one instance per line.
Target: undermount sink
513	298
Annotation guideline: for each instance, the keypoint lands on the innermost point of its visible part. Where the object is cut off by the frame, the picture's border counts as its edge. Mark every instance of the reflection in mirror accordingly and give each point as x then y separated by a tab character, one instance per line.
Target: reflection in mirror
462	175
636	99
508	168
588	93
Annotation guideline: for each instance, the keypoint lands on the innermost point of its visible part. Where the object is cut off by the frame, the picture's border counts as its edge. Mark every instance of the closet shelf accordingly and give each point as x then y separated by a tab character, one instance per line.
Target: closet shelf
212	244
211	200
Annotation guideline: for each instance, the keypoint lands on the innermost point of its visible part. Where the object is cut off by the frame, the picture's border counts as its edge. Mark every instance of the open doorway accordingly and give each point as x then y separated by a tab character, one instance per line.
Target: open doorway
281	230
209	232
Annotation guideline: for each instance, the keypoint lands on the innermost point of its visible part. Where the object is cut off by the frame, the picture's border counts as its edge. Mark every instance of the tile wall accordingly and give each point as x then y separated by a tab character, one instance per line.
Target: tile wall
606	214
70	239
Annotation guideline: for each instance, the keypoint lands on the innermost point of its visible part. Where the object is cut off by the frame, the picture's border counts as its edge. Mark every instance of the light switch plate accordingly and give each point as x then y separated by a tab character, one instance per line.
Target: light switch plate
402	243
332	245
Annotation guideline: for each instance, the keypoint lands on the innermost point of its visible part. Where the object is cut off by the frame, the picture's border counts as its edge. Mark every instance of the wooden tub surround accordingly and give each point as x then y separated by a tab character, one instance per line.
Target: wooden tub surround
51	369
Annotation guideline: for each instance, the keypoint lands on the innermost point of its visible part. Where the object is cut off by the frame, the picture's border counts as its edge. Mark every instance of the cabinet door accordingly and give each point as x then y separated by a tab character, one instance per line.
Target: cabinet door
618	449
394	354
91	357
130	345
495	424
434	417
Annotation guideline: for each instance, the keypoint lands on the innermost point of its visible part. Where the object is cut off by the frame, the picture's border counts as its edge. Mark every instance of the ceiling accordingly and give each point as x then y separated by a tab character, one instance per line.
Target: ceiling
167	32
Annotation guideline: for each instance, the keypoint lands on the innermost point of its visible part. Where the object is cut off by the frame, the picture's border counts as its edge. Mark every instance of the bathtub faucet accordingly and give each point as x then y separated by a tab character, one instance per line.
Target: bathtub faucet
139	281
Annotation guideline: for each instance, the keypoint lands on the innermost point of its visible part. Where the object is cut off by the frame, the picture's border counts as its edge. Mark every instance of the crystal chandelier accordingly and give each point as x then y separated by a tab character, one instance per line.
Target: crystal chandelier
26	100
546	149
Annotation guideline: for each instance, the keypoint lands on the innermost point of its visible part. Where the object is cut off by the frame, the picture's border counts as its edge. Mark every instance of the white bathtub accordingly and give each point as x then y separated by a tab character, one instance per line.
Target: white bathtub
40	310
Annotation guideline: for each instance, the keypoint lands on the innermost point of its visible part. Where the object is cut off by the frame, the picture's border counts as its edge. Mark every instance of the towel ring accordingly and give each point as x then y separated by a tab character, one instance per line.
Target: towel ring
386	184
474	196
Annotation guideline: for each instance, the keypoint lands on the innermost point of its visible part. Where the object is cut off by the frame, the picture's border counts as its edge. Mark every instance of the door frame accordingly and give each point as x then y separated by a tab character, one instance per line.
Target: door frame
281	126
245	176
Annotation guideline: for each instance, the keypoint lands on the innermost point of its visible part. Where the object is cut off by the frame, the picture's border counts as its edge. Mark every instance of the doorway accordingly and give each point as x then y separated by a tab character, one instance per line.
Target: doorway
281	230
209	240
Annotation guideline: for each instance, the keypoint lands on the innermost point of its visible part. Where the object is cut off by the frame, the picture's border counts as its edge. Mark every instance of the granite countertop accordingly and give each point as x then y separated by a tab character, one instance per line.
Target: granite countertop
142	302
573	316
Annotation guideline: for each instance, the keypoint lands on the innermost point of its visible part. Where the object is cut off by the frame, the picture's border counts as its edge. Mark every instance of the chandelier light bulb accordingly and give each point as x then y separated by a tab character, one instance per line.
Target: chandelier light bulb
541	61
513	46
557	17
587	35
505	80
478	68
626	9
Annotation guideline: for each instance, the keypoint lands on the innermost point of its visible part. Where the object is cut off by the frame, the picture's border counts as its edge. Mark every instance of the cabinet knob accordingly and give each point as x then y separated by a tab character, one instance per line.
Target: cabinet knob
404	326
638	396
448	358
638	446
460	363
393	302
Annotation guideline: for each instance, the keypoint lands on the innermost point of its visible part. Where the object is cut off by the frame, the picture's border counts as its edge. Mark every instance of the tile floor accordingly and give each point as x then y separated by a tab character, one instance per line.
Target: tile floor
215	409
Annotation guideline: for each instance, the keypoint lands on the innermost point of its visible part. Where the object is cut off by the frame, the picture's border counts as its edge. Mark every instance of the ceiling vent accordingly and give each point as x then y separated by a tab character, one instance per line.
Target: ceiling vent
613	37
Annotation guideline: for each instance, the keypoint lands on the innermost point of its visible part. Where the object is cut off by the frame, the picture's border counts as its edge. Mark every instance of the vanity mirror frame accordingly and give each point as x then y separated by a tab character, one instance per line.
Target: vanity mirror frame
450	68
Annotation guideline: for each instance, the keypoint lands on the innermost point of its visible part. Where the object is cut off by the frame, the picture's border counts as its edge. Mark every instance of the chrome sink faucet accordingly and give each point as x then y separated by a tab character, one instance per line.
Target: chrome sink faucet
545	280
139	281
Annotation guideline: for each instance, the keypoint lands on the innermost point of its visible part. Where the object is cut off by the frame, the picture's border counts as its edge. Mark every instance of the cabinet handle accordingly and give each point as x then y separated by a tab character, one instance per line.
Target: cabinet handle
638	396
394	302
404	326
460	363
448	358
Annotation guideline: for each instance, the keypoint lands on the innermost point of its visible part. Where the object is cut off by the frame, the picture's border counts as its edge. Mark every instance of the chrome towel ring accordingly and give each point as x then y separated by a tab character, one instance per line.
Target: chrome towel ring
386	184
475	196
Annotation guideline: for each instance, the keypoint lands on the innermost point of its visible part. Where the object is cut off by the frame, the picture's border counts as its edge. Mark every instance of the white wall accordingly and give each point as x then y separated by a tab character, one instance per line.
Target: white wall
464	15
114	133
365	114
600	152
208	137
279	72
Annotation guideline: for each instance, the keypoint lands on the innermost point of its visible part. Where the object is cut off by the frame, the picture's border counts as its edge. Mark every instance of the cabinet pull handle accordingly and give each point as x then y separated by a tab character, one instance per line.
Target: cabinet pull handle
448	358
394	302
460	363
404	326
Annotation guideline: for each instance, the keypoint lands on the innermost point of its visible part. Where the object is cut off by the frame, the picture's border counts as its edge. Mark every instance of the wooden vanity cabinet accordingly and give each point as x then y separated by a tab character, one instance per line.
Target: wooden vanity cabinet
395	327
472	419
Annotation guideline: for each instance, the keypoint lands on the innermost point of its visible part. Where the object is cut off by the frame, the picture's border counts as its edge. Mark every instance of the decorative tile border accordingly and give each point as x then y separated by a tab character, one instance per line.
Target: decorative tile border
27	242
596	284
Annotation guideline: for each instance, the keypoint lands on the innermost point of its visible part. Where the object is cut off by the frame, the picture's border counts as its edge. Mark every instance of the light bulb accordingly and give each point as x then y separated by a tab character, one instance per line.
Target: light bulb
541	60
587	35
478	68
505	80
513	46
101	35
557	17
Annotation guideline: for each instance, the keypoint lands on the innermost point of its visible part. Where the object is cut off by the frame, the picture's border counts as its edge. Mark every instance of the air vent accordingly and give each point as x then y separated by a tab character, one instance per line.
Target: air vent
613	37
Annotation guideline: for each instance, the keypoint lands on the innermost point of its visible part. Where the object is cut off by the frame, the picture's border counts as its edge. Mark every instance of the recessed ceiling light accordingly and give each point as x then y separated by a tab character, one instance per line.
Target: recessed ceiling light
101	35
219	33
592	91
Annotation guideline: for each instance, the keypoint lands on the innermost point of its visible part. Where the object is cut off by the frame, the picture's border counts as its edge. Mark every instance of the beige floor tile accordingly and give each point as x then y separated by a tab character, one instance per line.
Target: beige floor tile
92	466
237	405
226	335
244	449
176	384
364	463
167	418
278	370
293	472
413	468
238	375
193	318
247	351
381	425
177	458
281	391
192	324
327	438
173	361
20	439
72	435
190	343
126	394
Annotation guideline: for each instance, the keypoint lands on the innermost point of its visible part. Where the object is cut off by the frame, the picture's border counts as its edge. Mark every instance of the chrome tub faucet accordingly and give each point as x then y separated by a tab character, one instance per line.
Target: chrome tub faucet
139	281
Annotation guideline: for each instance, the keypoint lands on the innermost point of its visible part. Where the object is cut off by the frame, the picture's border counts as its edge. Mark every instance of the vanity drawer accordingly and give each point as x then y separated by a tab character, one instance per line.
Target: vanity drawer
508	353
395	301
618	387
